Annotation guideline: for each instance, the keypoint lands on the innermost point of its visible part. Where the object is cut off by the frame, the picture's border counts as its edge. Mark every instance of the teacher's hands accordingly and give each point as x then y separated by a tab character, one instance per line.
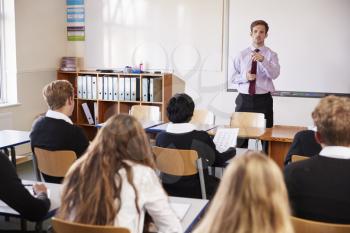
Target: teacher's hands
257	57
251	77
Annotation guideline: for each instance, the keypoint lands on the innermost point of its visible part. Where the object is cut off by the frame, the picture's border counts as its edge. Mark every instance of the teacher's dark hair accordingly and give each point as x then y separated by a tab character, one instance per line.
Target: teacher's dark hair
259	22
180	108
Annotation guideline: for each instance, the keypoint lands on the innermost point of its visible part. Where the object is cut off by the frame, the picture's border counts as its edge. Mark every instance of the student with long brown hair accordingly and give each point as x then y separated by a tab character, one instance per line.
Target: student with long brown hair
114	183
251	198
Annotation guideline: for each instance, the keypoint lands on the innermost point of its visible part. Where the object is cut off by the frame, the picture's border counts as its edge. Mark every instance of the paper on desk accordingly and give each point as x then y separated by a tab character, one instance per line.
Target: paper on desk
180	209
225	138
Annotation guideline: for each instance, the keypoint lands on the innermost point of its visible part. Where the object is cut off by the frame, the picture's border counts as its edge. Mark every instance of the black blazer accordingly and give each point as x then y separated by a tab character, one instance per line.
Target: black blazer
319	189
55	134
304	143
15	195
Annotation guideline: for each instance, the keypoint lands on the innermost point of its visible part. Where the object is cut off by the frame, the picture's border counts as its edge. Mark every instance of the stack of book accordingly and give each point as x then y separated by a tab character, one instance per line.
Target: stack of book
69	64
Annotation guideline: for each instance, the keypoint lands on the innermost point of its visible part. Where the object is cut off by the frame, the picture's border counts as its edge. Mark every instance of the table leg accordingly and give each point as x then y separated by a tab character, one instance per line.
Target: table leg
278	150
13	155
39	227
257	144
23	225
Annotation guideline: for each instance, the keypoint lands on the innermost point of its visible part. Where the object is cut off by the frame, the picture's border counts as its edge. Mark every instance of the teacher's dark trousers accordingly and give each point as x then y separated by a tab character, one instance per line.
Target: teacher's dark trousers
260	103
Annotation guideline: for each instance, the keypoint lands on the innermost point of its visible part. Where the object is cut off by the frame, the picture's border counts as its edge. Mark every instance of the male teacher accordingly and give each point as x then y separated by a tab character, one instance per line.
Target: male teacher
253	71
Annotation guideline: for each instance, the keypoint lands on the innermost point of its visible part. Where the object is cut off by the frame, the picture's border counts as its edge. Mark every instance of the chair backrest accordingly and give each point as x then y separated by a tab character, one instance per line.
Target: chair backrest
54	163
145	112
180	163
296	158
203	116
176	162
247	119
61	226
307	226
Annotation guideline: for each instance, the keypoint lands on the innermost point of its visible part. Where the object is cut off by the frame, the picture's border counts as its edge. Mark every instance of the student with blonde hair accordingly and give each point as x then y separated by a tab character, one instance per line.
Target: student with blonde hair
114	182
319	187
55	130
251	198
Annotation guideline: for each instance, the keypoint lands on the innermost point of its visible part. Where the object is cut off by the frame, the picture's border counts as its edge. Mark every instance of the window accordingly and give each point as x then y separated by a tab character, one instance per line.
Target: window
8	72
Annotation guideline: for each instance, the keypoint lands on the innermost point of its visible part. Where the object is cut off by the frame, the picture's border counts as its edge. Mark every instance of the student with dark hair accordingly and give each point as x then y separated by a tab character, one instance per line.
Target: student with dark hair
319	187
16	196
180	134
55	130
305	144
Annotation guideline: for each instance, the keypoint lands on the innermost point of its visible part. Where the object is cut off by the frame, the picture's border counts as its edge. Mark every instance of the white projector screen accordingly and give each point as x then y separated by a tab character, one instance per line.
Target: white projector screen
311	38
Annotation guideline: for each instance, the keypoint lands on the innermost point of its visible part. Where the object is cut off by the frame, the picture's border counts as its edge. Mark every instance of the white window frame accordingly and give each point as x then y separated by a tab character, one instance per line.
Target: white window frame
8	66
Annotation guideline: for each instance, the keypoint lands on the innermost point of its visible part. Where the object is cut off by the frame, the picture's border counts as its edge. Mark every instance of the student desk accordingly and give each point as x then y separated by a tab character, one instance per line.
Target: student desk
11	138
192	216
55	198
280	138
244	133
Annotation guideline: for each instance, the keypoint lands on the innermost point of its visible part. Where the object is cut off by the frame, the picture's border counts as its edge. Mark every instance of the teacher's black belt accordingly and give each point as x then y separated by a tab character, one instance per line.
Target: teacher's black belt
256	95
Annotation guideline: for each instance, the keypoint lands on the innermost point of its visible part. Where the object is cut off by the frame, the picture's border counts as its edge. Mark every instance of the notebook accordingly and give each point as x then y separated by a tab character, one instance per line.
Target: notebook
180	209
225	138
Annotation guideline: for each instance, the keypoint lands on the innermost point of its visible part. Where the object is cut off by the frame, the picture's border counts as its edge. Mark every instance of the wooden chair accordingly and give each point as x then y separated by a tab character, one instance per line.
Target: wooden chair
178	162
308	226
203	116
53	163
296	158
247	119
61	226
145	112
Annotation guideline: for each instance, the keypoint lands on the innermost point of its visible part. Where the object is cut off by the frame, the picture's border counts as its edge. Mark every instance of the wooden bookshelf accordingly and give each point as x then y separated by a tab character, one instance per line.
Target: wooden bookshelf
167	86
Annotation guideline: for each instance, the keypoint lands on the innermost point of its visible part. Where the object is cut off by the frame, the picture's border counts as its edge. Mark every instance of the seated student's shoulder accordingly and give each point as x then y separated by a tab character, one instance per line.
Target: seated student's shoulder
300	167
143	176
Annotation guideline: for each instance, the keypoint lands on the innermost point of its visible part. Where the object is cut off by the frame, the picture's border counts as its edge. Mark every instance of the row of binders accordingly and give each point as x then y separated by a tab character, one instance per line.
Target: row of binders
122	88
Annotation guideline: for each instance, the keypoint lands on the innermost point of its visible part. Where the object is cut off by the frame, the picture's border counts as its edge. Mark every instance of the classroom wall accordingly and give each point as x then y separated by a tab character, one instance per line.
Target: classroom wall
40	42
208	88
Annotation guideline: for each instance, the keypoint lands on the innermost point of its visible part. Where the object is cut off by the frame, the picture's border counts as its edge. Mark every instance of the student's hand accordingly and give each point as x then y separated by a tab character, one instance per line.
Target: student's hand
257	57
251	77
39	188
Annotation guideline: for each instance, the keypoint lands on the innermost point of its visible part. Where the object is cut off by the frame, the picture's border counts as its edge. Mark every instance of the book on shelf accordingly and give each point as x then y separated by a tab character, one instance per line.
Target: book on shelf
70	64
87	113
100	88
80	86
121	88
225	138
135	89
94	87
127	86
110	88
115	89
96	113
145	89
88	87
105	87
155	90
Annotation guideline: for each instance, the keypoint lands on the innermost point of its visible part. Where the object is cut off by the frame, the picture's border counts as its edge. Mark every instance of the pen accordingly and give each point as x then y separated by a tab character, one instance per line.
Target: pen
28	185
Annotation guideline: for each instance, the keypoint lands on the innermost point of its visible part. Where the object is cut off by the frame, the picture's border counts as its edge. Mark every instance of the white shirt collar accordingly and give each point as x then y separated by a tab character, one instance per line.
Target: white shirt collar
260	48
59	116
180	127
336	152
